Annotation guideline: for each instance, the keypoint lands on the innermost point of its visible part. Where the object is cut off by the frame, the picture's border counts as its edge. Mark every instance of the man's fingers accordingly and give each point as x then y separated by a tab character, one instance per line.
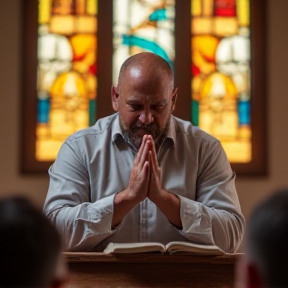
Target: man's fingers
144	155
140	151
154	155
146	170
152	166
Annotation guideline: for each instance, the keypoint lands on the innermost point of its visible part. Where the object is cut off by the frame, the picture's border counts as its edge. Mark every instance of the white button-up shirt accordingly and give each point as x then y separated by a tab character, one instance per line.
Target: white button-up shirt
95	163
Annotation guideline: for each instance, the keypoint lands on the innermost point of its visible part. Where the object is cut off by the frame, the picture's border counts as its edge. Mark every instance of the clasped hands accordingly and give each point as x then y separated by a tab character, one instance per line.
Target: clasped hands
145	177
145	182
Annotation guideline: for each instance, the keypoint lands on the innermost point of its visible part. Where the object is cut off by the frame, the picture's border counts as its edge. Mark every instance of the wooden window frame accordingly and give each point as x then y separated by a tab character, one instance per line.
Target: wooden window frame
259	164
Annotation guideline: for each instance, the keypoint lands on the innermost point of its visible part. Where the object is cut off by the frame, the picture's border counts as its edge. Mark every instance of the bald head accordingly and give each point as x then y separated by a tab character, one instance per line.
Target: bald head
147	67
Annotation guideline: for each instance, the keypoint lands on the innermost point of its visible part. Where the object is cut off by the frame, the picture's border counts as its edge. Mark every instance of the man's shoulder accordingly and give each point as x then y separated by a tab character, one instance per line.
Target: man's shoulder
100	128
187	129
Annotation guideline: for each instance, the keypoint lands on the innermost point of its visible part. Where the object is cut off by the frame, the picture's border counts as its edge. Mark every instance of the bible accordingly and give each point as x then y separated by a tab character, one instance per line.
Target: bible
170	248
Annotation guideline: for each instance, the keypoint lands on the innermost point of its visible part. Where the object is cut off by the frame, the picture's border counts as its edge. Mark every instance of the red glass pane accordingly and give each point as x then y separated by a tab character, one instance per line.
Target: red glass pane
225	8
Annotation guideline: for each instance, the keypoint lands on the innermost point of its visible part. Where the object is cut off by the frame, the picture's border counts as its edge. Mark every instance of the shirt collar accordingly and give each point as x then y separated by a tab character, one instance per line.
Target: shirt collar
171	131
116	129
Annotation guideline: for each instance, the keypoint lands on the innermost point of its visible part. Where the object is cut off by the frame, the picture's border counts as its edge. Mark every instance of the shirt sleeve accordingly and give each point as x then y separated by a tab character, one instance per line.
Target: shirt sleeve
81	223
215	217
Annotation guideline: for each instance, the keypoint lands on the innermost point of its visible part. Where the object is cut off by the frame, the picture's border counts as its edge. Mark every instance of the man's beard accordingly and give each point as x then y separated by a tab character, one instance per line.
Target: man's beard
135	139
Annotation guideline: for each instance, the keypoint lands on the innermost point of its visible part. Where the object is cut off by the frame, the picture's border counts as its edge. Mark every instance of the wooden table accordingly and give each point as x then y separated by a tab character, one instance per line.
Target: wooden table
150	270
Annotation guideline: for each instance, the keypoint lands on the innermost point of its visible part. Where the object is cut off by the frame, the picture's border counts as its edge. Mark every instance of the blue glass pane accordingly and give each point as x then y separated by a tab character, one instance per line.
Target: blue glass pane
158	15
43	110
244	112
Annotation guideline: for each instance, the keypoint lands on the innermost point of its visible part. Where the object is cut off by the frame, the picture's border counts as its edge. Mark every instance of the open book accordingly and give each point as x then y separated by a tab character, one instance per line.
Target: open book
172	247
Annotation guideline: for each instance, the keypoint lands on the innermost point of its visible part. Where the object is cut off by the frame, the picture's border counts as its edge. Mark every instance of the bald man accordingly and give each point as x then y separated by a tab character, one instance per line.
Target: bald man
143	175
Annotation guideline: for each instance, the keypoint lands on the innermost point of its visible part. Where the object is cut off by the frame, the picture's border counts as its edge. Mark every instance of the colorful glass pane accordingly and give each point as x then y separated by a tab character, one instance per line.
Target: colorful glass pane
221	73
142	25
66	72
225	8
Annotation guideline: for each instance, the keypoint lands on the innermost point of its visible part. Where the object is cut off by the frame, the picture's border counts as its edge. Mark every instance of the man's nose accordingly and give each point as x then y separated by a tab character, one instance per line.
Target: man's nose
146	116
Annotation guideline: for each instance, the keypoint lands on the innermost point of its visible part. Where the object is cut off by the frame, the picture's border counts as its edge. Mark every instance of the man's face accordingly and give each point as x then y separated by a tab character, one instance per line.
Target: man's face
145	103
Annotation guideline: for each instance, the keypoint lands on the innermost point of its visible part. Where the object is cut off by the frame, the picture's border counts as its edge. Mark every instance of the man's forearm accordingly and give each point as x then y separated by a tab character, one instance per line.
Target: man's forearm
123	203
85	225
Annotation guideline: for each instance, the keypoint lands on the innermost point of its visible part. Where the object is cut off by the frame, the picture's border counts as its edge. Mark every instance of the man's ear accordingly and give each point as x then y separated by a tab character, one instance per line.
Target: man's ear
115	98
174	98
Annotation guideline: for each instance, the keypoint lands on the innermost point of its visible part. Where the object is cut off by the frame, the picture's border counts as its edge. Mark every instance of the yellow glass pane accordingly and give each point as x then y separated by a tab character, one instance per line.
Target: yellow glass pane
196	8
92	7
84	47
81	44
200	26
65	122
86	24
62	124
238	151
91	83
203	53
219	117
64	25
80	7
225	26
63	7
44	11
201	8
47	149
69	85
207	7
218	85
243	12
196	85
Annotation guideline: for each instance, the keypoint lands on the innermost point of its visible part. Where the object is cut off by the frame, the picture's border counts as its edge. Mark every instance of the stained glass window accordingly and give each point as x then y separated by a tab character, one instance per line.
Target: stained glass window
66	72
208	43
142	25
220	67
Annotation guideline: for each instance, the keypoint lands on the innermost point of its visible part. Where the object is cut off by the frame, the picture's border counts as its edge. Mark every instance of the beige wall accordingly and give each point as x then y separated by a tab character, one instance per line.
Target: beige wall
10	94
250	190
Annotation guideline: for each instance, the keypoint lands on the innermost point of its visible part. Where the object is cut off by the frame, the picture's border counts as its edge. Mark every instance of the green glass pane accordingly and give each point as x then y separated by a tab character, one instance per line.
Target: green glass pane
195	113
92	112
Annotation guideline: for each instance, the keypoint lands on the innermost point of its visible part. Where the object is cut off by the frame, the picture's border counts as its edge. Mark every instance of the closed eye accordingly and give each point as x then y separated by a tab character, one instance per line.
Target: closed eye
134	107
158	108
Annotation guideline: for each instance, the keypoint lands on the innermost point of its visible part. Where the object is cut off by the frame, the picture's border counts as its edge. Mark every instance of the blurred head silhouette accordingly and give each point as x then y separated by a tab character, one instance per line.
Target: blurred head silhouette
265	263
30	247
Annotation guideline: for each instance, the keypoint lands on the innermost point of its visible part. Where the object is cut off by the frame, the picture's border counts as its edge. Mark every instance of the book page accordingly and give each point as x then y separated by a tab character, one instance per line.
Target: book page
140	247
178	246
